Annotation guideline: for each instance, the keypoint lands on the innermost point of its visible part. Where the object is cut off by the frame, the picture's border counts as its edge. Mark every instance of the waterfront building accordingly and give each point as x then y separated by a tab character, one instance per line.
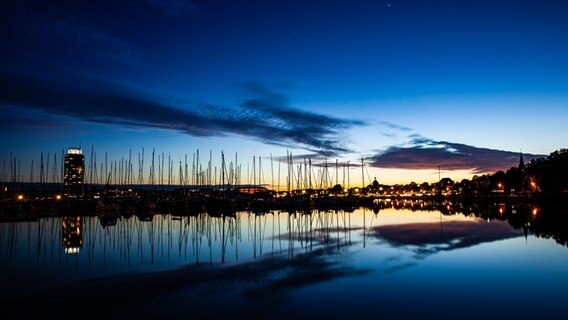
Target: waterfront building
74	172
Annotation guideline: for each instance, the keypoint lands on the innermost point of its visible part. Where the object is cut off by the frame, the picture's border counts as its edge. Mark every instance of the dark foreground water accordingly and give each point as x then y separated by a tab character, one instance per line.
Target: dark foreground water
400	260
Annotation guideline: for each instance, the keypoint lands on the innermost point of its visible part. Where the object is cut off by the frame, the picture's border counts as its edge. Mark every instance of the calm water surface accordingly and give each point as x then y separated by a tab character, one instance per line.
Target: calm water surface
397	261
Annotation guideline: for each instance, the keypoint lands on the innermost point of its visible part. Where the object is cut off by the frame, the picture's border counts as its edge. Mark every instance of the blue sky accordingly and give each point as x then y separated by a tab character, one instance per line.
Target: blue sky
470	83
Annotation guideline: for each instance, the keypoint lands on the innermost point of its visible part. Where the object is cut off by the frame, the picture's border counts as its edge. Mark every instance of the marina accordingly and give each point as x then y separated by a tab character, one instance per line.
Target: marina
283	160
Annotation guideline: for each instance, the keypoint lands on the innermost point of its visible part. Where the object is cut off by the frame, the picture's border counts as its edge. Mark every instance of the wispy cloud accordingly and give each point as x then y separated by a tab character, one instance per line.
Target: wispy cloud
315	132
173	7
266	117
300	158
340	164
391	130
425	153
395	126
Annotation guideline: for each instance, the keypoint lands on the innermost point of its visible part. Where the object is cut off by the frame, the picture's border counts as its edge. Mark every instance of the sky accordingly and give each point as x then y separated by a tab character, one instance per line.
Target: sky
418	89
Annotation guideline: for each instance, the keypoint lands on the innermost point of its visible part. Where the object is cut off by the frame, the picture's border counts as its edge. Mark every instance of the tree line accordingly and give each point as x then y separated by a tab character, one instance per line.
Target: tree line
545	176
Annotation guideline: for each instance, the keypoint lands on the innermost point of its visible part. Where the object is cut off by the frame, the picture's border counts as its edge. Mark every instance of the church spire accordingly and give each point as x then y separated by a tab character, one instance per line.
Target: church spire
521	162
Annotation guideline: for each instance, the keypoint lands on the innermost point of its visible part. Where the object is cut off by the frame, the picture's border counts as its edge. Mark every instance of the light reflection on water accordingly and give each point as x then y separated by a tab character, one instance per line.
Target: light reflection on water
272	264
88	242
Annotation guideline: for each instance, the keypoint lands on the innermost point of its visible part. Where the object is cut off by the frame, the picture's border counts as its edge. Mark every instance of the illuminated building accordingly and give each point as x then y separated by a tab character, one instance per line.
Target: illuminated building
73	178
251	189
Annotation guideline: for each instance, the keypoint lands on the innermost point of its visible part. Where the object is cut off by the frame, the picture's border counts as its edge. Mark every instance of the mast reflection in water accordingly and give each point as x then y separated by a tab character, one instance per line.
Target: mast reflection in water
400	257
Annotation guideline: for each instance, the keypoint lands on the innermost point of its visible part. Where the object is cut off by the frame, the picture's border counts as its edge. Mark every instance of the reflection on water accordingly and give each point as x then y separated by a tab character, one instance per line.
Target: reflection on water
72	235
265	261
201	238
164	238
427	238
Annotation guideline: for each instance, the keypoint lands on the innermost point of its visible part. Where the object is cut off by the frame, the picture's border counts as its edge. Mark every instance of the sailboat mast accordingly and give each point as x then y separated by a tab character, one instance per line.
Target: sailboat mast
362	173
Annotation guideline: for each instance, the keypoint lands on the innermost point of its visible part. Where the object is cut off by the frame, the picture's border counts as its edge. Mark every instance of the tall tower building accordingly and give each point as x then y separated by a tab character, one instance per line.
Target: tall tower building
74	178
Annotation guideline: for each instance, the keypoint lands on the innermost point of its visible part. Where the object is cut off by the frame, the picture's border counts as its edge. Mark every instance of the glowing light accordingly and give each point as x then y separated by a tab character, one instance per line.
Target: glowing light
72	250
58	197
74	151
20	197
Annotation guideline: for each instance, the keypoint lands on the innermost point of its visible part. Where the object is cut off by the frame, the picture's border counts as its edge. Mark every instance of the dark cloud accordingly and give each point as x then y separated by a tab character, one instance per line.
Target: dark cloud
267	117
424	153
52	57
173	7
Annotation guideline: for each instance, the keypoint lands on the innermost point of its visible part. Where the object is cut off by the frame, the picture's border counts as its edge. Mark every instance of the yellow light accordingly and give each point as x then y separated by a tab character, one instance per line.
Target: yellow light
535	212
58	197
20	197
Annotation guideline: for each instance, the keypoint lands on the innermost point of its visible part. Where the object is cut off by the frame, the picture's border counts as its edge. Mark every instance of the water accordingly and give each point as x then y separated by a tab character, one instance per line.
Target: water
402	260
